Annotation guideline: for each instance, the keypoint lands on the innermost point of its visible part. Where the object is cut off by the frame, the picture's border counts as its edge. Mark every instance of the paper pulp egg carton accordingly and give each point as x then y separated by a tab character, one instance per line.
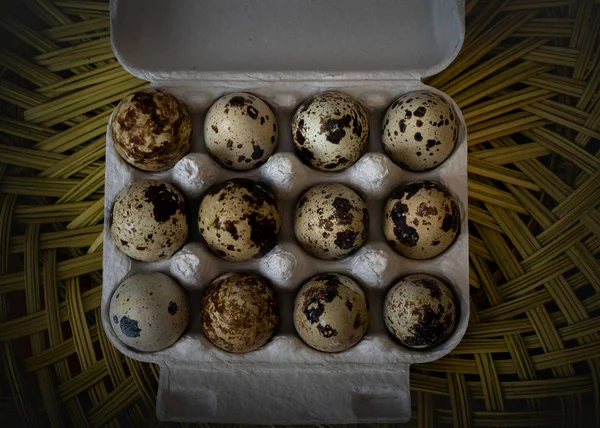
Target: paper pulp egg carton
284	52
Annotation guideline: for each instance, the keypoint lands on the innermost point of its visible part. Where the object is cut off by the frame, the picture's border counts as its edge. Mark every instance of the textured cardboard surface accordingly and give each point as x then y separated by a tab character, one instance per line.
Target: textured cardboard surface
291	39
286	381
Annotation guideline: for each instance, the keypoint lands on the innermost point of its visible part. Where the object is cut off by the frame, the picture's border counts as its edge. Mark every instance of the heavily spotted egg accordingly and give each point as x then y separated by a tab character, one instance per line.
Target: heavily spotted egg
421	219
330	131
239	219
149	311
420	311
240	131
149	221
419	131
239	312
151	129
331	221
331	312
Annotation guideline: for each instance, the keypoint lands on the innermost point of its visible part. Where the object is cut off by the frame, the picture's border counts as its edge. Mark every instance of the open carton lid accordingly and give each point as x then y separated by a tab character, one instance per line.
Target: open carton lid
160	40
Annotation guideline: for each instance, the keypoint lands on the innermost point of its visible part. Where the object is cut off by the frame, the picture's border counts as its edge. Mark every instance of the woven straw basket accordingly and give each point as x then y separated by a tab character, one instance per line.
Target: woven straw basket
528	82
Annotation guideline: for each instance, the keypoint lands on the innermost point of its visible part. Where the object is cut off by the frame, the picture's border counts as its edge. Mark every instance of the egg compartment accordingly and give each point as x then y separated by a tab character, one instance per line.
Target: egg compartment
375	266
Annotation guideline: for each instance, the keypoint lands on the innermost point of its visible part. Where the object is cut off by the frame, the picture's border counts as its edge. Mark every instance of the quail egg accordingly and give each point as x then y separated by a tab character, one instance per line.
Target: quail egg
148	221
151	130
330	131
421	219
331	221
240	131
420	311
239	312
419	131
149	311
239	219
331	312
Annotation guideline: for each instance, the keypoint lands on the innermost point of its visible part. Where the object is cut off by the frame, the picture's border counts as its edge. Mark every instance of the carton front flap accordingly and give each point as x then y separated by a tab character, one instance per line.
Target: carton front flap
278	39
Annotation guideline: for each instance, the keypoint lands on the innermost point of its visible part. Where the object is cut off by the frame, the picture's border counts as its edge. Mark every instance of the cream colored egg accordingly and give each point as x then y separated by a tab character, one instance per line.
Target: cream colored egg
331	312
419	131
151	130
421	219
149	221
331	221
239	312
240	131
149	311
420	311
331	131
239	219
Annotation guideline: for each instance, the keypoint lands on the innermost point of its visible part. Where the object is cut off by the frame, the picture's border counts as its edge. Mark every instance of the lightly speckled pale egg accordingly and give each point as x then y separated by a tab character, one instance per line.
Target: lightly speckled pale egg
420	311
421	219
239	312
331	312
331	221
240	131
239	219
419	131
151	130
330	131
149	311
149	221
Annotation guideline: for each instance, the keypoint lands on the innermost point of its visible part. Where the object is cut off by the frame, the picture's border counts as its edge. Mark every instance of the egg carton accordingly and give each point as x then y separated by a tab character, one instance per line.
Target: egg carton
286	381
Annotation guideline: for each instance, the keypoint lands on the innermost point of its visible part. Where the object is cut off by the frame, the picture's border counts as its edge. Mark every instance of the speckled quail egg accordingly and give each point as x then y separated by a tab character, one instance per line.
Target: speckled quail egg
419	131
151	130
240	131
331	221
148	220
331	312
331	131
239	219
149	311
420	311
239	312
421	219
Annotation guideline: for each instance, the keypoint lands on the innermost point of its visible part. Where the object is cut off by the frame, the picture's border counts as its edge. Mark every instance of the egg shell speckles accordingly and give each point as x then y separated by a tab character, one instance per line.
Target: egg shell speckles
151	130
421	219
331	221
149	311
240	131
420	311
419	131
239	312
149	221
331	312
330	131
239	219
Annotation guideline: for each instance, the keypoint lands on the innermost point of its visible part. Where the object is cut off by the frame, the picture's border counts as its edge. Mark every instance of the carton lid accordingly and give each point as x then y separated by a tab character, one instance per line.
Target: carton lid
286	39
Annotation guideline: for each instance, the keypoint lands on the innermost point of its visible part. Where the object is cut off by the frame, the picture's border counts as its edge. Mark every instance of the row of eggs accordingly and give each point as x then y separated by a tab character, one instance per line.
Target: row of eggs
239	219
151	131
150	312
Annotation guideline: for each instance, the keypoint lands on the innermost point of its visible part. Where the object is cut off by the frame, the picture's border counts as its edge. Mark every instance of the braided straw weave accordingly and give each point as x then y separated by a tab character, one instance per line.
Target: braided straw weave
528	81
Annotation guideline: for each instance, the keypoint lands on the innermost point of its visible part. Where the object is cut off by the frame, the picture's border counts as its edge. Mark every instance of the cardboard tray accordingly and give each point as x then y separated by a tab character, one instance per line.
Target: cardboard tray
284	52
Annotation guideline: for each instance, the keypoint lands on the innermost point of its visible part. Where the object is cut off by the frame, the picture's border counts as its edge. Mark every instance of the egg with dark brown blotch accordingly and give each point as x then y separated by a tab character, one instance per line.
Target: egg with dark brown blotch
239	219
420	311
330	131
331	312
149	221
331	221
421	219
151	129
239	312
419	131
240	131
149	311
